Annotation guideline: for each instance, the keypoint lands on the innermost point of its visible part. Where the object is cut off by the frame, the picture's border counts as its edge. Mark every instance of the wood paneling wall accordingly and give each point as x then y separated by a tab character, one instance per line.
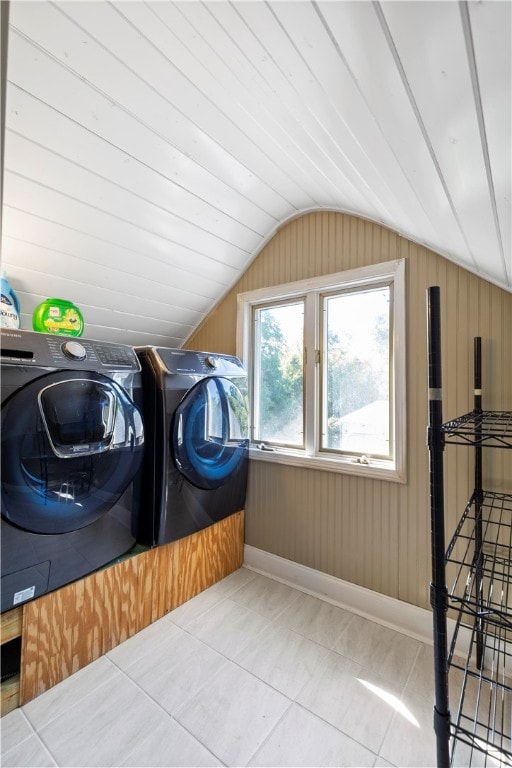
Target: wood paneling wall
67	629
370	532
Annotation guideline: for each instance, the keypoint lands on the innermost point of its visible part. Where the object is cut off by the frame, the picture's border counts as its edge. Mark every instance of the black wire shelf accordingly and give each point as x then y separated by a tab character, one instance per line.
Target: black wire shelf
480	729
481	551
471	578
481	592
490	429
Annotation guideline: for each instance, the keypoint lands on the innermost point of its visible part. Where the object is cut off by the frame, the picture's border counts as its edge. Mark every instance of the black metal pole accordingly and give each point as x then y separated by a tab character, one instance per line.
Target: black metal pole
438	591
477	369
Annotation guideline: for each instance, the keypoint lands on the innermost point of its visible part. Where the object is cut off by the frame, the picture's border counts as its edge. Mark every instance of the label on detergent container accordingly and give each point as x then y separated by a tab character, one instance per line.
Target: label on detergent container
59	317
10	317
10	306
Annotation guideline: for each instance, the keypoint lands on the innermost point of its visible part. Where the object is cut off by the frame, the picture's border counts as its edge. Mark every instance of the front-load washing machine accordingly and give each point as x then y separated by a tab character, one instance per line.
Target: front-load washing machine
196	460
72	443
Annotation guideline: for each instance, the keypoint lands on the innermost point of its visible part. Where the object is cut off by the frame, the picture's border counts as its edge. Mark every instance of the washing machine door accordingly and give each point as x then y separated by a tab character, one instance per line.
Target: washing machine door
72	442
209	434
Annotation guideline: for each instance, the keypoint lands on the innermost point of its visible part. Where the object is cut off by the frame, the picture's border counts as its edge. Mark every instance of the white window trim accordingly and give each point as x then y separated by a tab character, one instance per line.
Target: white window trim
393	470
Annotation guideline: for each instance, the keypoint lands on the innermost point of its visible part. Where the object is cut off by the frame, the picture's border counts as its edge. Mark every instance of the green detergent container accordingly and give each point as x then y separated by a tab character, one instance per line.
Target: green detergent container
58	316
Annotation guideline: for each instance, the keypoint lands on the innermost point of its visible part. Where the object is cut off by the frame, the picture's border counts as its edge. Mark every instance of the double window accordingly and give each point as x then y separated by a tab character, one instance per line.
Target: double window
326	364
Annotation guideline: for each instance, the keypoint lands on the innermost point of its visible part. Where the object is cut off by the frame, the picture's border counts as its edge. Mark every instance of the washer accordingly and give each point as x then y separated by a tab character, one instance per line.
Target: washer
196	419
72	444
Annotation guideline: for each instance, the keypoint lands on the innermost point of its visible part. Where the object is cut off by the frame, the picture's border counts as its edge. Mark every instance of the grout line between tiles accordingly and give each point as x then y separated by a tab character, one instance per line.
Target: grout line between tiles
269	734
291	700
183	728
4	762
47	748
25	738
395	714
100	684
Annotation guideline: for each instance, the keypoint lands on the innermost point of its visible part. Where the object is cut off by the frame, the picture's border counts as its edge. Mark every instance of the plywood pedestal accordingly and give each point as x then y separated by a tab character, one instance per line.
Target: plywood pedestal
67	629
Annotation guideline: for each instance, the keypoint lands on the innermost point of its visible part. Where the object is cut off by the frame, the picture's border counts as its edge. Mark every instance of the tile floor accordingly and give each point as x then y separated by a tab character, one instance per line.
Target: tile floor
249	673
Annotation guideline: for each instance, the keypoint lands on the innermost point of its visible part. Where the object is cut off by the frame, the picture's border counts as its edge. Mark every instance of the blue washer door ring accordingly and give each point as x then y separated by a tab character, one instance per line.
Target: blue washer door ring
209	433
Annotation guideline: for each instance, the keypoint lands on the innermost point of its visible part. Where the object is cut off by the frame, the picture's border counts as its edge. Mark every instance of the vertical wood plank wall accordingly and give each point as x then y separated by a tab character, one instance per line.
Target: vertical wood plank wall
370	532
67	629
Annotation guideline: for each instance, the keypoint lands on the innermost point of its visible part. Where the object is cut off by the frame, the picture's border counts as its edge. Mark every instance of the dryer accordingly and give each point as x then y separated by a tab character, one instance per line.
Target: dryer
196	461
72	444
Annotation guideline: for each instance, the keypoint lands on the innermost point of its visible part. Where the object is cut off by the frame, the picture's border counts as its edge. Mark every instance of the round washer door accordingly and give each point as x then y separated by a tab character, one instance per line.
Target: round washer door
72	442
209	433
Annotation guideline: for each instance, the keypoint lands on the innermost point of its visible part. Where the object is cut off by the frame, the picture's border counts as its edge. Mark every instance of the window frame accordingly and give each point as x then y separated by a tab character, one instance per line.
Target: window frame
324	296
392	272
256	369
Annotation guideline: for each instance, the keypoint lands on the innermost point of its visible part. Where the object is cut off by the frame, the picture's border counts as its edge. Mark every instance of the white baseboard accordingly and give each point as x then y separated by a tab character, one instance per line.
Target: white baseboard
403	617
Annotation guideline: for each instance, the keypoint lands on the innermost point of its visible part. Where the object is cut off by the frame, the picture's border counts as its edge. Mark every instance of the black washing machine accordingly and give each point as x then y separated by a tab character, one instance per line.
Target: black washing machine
72	443
196	460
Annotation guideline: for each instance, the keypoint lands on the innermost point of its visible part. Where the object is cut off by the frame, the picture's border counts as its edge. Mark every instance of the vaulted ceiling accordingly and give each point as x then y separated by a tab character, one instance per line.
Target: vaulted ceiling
152	149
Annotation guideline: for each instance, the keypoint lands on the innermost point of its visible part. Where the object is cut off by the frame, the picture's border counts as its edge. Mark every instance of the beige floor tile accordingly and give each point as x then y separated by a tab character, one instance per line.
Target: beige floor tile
228	627
421	679
104	727
233	714
410	741
380	649
30	752
283	659
170	745
195	608
265	596
144	642
302	739
177	670
14	728
227	666
69	692
316	619
357	701
233	582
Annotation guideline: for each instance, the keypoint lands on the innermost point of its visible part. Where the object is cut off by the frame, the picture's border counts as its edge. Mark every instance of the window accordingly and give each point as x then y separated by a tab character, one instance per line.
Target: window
326	365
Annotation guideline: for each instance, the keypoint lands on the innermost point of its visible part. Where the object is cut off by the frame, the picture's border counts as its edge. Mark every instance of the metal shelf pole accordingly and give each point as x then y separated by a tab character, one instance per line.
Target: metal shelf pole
478	492
438	591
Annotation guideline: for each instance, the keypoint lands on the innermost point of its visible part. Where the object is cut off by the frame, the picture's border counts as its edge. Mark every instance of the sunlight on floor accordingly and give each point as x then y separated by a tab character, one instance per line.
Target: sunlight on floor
392	700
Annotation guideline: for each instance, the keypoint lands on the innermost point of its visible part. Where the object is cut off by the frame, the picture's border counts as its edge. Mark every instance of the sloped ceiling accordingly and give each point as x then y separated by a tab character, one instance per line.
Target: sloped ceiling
153	148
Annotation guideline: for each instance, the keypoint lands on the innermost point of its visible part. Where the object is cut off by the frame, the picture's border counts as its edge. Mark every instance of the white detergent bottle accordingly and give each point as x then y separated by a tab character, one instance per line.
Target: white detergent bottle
10	317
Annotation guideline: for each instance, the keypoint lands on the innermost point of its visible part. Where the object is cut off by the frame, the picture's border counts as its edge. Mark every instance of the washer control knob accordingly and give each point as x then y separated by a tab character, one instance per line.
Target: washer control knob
74	350
211	361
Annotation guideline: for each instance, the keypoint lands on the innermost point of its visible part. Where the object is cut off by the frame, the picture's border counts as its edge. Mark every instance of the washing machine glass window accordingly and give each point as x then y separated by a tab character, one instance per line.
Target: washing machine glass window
209	434
72	442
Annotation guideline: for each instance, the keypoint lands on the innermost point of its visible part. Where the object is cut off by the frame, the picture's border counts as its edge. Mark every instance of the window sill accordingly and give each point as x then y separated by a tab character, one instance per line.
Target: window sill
375	469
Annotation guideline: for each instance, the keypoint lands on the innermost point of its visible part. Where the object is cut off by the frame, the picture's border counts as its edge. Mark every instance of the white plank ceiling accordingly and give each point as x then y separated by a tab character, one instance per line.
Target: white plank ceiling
151	149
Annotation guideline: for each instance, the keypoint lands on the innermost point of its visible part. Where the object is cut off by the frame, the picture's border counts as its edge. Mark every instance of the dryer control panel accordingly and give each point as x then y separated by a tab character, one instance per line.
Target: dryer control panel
48	351
199	363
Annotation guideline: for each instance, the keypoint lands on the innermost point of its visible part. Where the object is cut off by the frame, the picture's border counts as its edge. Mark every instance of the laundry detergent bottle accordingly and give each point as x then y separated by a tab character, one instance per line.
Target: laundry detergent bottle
10	304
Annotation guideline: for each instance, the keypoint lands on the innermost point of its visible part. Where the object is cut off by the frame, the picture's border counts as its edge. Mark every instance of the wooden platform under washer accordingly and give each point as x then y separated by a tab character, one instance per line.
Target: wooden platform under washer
65	630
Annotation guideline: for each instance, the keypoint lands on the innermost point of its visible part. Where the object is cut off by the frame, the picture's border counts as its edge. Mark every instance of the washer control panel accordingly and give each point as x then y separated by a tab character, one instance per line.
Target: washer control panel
46	350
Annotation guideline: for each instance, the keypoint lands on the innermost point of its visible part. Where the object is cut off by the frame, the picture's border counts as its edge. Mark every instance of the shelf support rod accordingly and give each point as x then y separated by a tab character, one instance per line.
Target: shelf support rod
438	593
477	408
